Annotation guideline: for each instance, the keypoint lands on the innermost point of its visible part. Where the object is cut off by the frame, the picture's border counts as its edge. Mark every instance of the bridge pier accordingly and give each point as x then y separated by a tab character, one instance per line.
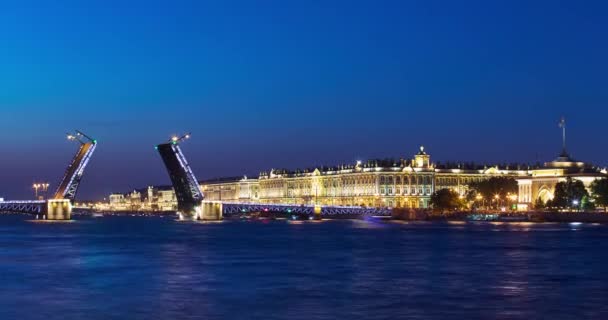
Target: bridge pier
317	212
58	209
211	210
52	209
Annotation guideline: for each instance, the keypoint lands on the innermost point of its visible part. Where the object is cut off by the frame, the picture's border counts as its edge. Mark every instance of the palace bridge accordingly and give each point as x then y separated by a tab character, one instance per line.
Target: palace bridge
190	199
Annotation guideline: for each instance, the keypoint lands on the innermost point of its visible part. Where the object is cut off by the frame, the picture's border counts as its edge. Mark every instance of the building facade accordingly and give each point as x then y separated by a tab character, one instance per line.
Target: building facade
125	202
540	183
376	183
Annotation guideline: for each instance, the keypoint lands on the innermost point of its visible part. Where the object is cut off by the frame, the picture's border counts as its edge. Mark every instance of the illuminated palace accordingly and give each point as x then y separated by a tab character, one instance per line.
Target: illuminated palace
374	183
377	183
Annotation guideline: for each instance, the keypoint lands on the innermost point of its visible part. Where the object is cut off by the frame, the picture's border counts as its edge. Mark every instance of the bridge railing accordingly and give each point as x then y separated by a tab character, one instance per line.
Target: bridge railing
238	207
25	206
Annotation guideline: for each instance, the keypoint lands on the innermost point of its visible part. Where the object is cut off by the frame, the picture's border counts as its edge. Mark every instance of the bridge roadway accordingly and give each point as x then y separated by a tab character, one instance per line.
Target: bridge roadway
212	210
25	206
52	209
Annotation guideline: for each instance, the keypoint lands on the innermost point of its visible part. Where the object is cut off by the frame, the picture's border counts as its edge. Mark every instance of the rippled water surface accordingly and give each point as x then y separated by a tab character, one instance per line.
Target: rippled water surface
157	268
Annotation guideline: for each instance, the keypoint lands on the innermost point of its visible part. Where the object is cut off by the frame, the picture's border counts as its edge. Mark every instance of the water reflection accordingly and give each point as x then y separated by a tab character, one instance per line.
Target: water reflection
157	268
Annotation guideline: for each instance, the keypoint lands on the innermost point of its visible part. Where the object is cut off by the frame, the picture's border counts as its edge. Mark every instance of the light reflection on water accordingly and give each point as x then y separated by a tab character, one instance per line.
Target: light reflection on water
158	268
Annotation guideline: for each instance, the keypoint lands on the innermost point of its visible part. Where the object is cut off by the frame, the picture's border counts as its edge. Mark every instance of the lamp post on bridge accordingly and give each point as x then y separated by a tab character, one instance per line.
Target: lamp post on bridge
45	189
36	186
42	186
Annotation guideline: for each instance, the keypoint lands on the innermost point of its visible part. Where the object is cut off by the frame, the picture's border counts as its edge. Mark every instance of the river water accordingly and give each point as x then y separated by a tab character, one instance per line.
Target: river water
157	268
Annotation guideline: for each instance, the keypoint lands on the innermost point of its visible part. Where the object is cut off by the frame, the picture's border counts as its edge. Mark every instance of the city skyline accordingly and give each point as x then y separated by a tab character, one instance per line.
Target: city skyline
440	166
283	85
318	159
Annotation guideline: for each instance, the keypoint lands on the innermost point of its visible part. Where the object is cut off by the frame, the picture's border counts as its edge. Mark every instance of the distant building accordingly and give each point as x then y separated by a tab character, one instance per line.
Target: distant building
118	202
541	182
134	200
223	189
126	202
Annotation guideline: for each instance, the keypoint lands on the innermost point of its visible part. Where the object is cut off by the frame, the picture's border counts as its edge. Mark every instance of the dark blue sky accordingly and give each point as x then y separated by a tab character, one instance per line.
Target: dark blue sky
265	84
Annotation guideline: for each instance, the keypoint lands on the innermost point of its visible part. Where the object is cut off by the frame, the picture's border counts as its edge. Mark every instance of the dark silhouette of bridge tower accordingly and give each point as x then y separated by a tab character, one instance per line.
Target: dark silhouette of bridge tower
59	206
187	190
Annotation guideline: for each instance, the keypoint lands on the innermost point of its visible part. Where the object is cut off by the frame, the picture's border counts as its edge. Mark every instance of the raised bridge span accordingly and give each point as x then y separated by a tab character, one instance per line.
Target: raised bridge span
192	206
59	206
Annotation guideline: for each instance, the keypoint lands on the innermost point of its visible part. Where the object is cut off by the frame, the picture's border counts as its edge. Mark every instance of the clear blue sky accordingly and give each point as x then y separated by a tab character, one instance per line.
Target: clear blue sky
265	84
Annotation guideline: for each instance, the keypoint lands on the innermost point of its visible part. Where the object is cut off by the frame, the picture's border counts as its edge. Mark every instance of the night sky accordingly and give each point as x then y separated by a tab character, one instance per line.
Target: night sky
267	84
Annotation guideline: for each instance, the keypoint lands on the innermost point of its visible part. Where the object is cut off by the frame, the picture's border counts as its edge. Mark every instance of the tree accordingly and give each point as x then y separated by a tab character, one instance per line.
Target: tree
539	204
569	194
446	199
599	191
495	186
587	204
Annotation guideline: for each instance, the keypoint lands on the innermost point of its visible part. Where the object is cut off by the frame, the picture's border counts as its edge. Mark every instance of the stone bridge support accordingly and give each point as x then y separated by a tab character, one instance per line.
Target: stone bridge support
58	209
211	210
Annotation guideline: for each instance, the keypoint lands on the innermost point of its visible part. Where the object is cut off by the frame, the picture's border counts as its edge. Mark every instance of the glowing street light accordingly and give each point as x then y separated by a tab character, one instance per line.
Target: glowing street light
176	139
45	188
36	186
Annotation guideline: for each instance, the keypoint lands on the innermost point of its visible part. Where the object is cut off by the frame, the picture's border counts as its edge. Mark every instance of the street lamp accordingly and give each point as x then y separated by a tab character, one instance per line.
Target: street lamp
45	188
42	186
497	197
479	198
36	186
575	203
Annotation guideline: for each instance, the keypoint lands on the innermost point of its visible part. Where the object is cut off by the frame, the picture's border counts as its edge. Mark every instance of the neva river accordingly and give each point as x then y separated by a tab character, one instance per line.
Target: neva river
157	268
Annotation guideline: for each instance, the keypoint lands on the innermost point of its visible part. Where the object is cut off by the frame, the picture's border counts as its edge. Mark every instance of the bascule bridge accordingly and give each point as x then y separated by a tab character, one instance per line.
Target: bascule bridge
190	204
59	206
